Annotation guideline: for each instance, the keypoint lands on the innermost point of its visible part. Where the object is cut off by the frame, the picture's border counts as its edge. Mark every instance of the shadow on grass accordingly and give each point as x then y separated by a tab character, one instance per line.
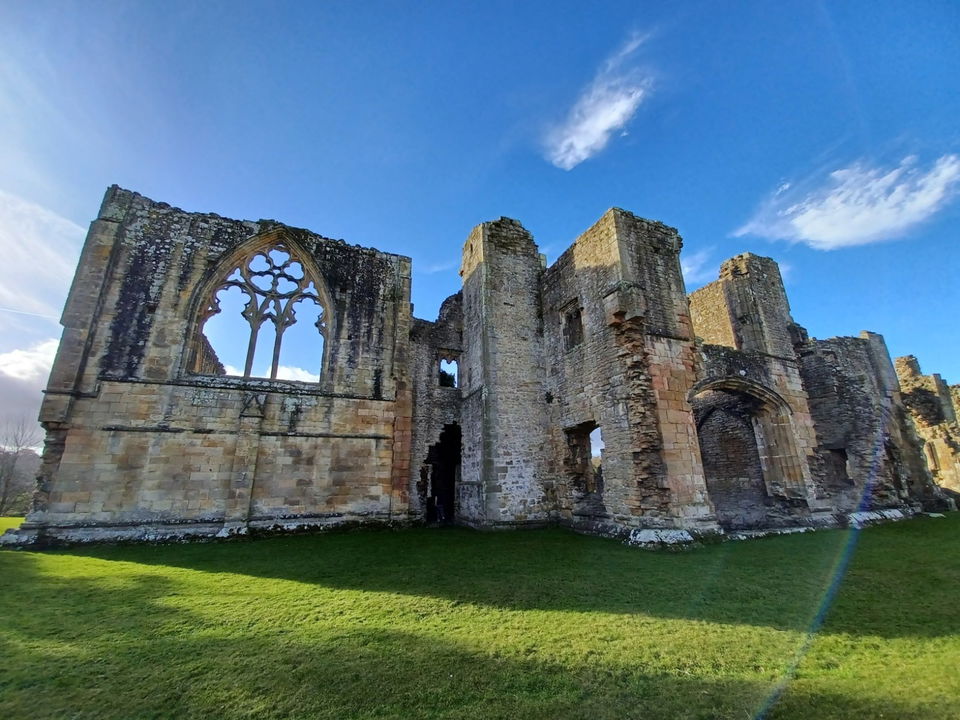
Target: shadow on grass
77	648
901	580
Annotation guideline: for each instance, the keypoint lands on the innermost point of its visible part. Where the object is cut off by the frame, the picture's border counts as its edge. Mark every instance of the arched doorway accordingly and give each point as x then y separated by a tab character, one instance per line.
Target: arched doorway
731	458
443	471
752	466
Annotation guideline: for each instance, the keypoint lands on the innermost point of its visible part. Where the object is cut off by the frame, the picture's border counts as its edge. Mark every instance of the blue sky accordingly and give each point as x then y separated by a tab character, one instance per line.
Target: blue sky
824	135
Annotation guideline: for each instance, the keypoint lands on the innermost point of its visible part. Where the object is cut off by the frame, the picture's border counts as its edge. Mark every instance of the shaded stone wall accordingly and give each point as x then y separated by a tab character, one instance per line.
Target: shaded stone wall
435	406
868	454
931	403
135	440
731	459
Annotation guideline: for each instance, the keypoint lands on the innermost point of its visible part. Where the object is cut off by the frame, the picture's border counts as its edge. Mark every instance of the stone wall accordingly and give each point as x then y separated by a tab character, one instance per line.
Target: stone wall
617	334
436	406
715	411
746	308
748	356
931	403
868	454
139	444
505	477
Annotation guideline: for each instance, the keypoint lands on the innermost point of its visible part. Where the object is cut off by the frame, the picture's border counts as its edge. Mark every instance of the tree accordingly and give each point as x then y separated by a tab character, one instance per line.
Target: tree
18	464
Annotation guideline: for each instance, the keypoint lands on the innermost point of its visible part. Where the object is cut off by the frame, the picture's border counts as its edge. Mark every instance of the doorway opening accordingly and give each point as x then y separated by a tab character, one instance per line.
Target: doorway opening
584	466
443	468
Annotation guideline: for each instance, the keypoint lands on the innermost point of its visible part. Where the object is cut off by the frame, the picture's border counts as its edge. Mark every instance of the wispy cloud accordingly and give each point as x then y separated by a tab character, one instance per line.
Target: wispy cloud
603	108
697	267
786	271
39	250
856	205
437	267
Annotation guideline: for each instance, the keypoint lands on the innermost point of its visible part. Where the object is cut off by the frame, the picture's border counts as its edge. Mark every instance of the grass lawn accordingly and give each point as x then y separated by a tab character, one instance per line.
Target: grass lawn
459	624
7	522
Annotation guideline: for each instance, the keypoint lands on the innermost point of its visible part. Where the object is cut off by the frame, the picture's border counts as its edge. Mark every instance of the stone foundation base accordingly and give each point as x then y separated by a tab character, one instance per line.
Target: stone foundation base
41	536
37	536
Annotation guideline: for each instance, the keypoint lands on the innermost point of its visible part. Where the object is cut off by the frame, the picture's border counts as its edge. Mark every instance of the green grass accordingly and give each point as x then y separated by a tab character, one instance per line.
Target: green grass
9	522
458	624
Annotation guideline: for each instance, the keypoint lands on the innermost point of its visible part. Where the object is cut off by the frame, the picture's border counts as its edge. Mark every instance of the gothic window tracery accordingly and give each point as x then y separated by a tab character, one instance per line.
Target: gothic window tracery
266	288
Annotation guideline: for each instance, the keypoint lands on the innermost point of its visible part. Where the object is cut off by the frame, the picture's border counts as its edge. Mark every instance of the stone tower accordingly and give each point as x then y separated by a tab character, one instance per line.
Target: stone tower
505	472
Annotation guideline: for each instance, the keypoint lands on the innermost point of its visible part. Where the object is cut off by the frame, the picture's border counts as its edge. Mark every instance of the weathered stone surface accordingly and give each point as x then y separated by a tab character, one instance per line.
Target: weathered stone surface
933	406
716	411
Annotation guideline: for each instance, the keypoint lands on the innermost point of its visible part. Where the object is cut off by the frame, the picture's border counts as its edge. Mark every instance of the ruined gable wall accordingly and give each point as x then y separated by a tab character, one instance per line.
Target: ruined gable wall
868	456
505	464
930	402
629	375
435	406
135	439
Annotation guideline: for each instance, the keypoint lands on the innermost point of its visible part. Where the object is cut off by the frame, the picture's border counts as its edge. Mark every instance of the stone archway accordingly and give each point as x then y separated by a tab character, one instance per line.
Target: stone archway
752	465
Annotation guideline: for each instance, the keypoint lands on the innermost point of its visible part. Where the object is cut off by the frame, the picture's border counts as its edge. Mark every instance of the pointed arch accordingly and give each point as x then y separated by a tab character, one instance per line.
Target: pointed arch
274	277
755	471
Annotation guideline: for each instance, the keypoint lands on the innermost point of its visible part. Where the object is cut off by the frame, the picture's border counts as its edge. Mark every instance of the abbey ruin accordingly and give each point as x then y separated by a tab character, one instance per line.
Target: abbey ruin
717	412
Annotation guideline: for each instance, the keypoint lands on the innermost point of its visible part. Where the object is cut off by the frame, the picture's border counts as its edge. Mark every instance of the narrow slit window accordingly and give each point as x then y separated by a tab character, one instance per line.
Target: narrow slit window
596	453
572	328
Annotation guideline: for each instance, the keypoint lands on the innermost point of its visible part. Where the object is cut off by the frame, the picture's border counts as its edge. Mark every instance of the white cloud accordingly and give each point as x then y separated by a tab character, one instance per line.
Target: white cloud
32	364
23	375
39	250
696	267
284	372
856	205
604	107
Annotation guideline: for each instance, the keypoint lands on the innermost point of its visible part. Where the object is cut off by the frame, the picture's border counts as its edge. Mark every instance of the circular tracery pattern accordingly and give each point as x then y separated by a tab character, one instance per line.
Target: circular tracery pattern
274	283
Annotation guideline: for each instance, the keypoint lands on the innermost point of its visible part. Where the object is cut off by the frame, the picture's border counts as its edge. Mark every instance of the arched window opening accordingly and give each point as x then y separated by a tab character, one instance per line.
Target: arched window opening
265	319
448	373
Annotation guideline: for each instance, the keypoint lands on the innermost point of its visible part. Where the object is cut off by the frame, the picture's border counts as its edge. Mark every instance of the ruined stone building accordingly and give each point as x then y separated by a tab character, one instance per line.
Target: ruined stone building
716	410
933	406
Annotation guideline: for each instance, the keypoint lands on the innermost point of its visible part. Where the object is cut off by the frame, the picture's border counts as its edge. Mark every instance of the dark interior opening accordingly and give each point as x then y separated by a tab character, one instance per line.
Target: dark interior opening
443	465
572	328
836	466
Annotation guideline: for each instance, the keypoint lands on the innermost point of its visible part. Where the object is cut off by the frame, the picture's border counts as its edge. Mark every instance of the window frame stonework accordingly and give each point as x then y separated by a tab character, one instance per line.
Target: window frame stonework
263	304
